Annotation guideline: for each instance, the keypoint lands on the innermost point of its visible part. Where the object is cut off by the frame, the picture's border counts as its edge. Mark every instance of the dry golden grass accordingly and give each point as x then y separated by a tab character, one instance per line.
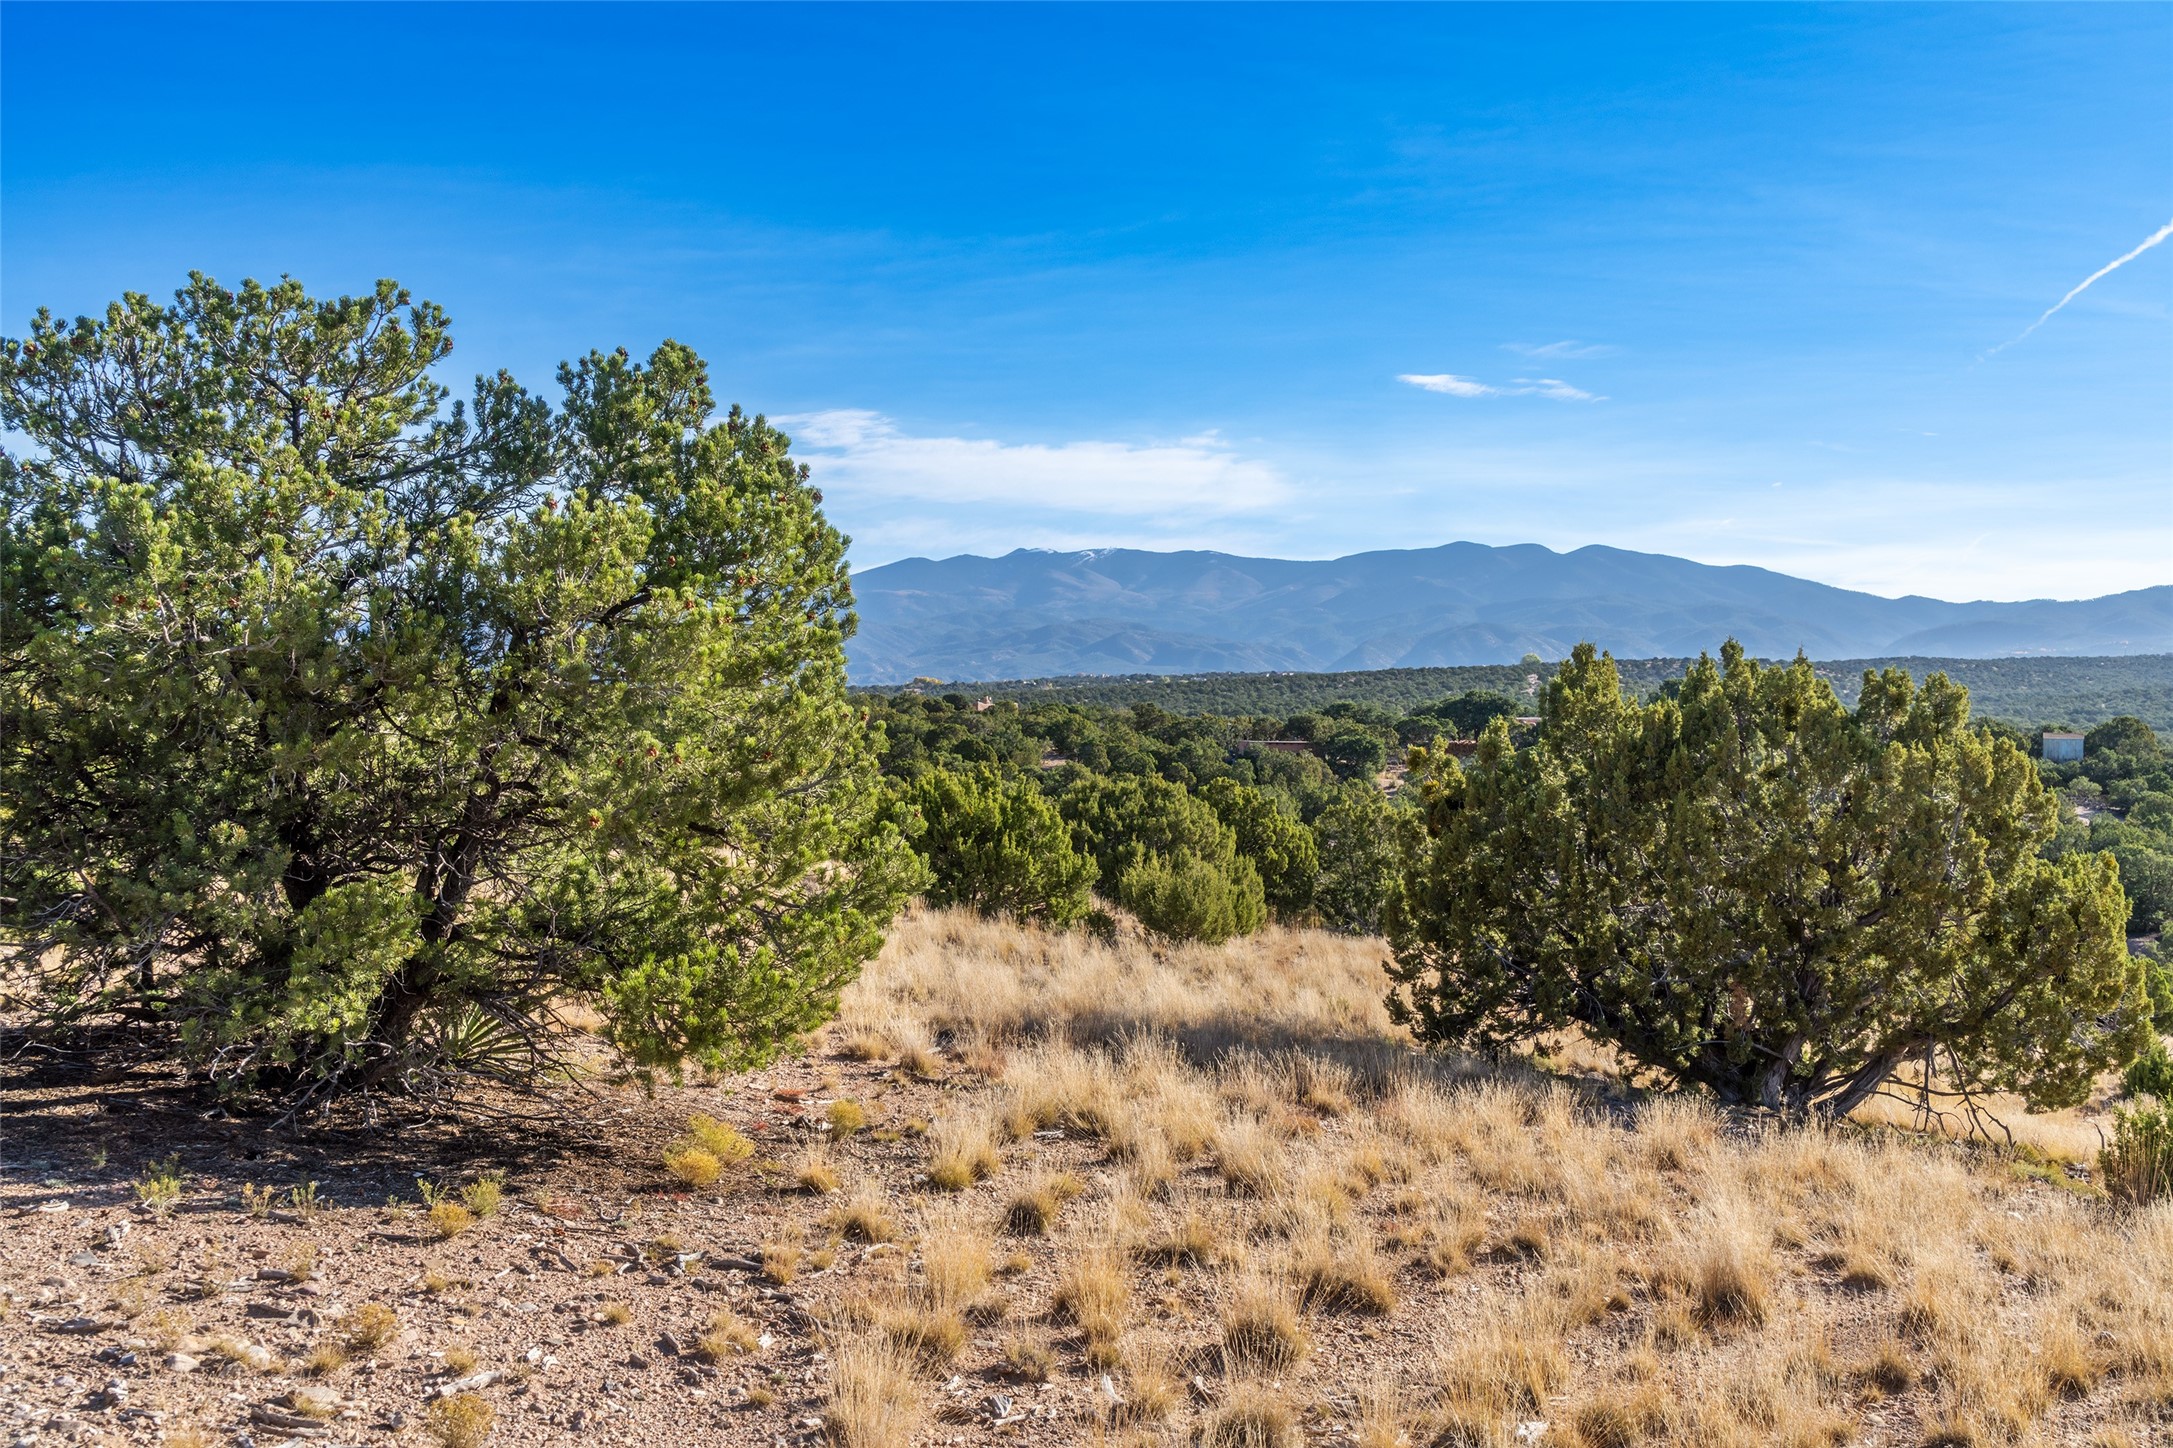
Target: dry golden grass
1152	1390
728	1336
1245	1193
1034	1208
461	1421
1028	1359
1381	1415
780	1261
874	1401
962	1150
1250	1159
1253	1417
325	1359
1260	1326
951	970
815	1172
1340	1274
1094	1292
864	1218
1192	1240
955	1261
1726	1265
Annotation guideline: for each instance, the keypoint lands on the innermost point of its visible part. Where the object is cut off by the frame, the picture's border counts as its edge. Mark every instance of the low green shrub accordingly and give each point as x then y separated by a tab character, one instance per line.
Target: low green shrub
2150	1074
2138	1164
1188	898
997	846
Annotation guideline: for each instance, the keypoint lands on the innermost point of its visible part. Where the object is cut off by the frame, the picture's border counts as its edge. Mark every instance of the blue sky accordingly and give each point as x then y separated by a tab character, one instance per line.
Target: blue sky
1721	282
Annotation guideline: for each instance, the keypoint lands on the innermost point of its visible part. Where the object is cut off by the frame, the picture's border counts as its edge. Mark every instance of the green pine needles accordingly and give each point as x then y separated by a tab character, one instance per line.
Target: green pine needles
996	845
347	729
1754	889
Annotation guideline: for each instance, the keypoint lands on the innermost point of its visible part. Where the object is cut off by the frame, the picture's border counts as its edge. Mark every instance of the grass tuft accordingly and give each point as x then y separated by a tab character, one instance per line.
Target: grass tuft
874	1402
1094	1291
1260	1327
729	1335
962	1151
864	1218
1341	1275
461	1421
368	1327
1034	1209
1251	1418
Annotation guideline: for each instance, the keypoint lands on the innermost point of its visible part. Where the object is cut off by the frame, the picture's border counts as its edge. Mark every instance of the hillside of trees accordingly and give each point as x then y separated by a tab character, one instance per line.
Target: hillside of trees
2041	691
2118	799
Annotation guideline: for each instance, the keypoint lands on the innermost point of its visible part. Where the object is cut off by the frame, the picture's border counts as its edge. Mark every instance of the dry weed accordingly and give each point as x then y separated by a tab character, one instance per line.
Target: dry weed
1028	1359
1260	1326
1193	1240
962	1151
368	1327
863	1218
1036	1206
1271	1062
1251	1416
1340	1274
1094	1291
450	1219
1622	1418
1381	1416
1677	1133
955	1262
863	1043
1152	1390
874	1402
1250	1159
815	1173
1723	1264
461	1421
780	1262
1509	1364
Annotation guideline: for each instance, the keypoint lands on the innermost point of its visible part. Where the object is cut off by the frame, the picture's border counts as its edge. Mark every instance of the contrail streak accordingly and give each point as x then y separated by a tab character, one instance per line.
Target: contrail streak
2112	266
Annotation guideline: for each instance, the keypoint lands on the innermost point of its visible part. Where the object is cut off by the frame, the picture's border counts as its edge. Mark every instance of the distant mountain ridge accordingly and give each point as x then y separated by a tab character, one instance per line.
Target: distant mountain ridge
1035	614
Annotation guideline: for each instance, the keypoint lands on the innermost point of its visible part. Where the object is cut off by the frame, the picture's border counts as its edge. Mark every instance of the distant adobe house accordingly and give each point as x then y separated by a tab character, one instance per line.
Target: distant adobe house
1276	746
2062	748
1458	748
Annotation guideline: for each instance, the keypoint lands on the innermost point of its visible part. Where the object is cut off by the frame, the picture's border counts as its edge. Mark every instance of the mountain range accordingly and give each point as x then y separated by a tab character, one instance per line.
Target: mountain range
1034	614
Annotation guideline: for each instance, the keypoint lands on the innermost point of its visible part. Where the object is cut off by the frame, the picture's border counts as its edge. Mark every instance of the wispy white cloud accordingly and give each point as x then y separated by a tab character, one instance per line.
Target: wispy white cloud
1455	386
1557	389
868	457
1449	383
1571	350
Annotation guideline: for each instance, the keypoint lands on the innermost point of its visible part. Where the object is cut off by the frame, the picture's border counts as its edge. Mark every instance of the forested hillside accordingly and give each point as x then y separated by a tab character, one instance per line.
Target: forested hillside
2025	692
1312	822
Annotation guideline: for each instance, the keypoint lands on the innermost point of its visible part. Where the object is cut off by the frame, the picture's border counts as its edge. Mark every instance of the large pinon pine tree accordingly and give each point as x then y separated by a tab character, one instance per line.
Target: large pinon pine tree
350	732
1753	889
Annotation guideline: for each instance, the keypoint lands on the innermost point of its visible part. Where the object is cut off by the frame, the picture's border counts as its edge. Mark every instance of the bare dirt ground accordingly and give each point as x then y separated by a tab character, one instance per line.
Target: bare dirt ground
1096	1194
